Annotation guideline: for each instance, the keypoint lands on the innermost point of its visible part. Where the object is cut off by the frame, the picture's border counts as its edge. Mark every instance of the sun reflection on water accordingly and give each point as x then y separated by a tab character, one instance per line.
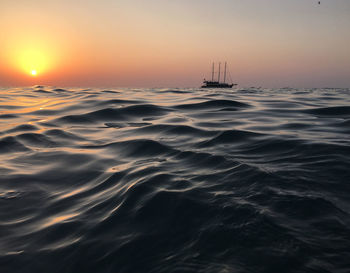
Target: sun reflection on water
59	219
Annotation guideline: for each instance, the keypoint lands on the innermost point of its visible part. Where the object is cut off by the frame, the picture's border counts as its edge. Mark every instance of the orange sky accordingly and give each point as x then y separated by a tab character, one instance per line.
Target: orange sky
158	43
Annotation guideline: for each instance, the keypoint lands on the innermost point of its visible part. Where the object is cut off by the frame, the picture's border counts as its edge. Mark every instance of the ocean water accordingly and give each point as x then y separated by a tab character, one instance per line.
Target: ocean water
174	180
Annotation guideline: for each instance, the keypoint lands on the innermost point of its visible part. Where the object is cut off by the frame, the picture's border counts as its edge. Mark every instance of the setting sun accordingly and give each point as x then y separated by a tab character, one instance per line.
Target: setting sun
33	60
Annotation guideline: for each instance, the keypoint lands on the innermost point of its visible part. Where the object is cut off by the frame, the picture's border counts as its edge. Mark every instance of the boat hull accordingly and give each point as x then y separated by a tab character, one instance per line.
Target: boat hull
218	86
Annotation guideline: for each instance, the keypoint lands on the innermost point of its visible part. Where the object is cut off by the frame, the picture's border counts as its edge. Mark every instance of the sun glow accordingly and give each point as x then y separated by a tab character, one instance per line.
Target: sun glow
32	54
32	58
33	61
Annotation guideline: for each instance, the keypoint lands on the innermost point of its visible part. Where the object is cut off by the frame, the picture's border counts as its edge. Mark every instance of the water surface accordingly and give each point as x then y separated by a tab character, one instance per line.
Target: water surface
174	180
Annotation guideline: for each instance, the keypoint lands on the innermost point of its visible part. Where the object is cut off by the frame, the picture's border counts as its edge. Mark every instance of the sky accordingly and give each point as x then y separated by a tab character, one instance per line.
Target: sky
172	43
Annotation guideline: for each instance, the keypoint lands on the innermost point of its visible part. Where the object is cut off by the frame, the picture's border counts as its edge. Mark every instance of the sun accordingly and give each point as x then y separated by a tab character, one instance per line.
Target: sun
32	54
33	61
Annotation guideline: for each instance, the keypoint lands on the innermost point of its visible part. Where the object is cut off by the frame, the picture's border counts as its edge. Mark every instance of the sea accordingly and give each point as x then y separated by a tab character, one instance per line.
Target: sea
174	180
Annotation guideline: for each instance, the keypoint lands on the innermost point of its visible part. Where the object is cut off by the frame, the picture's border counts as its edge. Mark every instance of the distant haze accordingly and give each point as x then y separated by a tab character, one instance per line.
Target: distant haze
159	43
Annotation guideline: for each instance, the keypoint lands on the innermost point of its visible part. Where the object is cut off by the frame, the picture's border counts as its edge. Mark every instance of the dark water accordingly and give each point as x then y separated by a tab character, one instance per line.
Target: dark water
174	180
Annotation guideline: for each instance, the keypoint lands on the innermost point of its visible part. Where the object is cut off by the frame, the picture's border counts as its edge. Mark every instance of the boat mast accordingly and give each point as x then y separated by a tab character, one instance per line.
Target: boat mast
212	73
225	74
219	72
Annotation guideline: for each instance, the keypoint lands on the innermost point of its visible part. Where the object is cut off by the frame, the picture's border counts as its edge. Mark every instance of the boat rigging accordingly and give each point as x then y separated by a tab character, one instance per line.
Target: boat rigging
217	84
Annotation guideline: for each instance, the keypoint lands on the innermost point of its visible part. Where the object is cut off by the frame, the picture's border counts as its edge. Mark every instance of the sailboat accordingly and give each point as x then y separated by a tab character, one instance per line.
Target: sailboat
217	84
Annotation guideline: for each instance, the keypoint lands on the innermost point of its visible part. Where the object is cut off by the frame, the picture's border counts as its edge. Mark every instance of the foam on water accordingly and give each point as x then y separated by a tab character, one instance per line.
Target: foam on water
174	180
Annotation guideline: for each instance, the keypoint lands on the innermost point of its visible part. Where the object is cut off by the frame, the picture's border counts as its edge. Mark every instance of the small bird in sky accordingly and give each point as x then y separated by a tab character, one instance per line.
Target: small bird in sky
319	2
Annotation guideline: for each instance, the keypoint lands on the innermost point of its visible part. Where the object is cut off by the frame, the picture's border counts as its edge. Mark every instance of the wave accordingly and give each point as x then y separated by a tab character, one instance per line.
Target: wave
109	114
212	104
330	111
8	116
37	140
11	145
231	136
23	127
